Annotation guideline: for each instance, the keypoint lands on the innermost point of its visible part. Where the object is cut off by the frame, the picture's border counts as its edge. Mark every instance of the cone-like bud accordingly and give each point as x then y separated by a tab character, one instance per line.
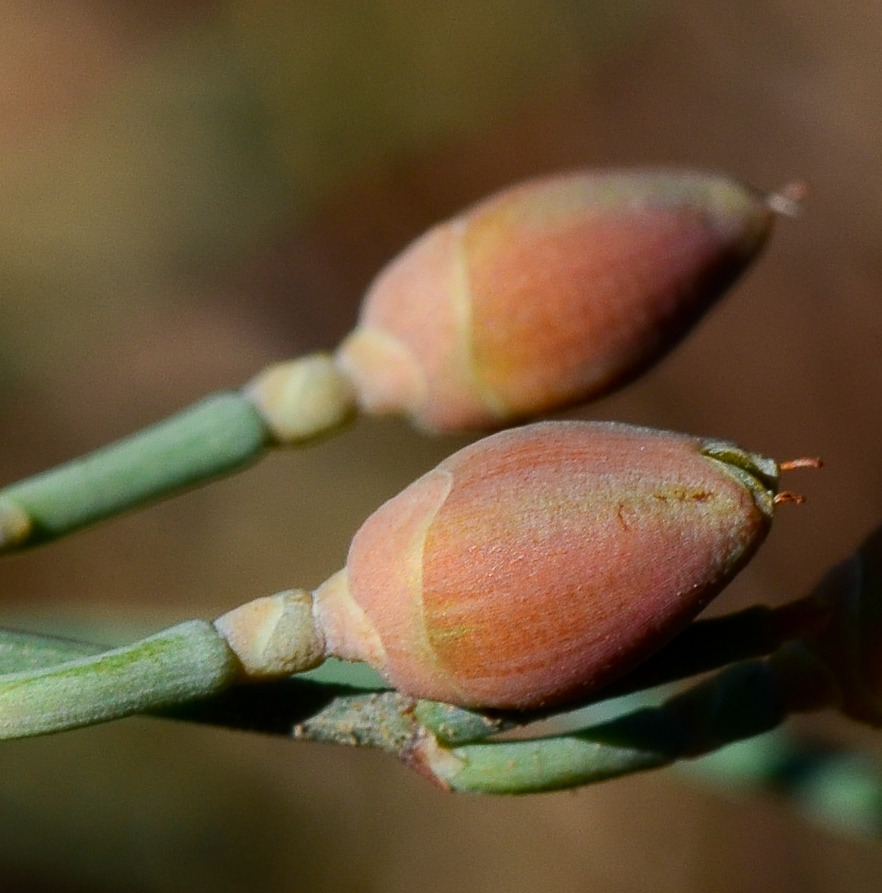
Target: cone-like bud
540	563
548	294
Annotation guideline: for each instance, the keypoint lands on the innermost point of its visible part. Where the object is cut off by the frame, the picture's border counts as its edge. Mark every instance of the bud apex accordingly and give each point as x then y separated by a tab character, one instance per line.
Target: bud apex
548	294
540	563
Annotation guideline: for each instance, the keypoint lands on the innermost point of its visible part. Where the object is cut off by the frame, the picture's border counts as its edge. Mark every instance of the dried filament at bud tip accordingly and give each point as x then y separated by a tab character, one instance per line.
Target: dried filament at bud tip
807	462
792	465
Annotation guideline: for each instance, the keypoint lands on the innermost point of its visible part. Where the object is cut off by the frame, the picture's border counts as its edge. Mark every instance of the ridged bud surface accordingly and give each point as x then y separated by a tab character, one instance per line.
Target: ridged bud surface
543	562
548	294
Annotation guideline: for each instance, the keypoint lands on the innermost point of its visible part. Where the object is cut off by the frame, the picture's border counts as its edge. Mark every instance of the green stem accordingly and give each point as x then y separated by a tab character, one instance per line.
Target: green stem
177	665
710	644
210	438
21	651
324	704
744	700
833	785
705	645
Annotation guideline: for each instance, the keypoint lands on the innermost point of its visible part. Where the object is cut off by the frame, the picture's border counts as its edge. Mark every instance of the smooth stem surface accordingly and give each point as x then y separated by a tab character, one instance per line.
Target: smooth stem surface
210	438
742	701
187	661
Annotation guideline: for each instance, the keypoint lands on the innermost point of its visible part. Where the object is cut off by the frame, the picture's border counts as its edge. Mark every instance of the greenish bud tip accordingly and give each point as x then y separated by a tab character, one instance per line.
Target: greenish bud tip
759	474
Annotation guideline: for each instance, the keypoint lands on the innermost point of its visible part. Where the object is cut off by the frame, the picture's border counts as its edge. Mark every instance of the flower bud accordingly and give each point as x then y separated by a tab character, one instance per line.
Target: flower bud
550	293
538	564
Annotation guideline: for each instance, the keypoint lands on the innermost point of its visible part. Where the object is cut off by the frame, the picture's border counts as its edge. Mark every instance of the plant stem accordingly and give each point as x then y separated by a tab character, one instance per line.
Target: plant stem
187	661
179	674
710	644
287	404
743	700
210	438
703	646
831	785
318	704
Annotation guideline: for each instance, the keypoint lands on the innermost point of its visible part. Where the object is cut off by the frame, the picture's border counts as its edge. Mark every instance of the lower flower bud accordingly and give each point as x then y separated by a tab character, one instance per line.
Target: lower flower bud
539	564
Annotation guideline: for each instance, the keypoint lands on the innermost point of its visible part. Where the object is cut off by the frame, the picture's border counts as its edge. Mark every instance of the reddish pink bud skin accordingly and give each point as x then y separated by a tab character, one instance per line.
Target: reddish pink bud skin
540	563
549	293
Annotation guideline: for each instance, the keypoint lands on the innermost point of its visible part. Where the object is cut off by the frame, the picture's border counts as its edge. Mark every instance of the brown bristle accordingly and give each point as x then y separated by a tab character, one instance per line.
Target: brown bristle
807	462
787	496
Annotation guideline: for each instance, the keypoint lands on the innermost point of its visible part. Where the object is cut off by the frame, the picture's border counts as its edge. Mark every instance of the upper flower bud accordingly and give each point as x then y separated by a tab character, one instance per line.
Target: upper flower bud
550	293
540	563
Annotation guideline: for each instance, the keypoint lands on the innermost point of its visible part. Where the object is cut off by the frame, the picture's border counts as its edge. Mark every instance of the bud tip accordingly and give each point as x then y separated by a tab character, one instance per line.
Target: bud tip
805	462
787	201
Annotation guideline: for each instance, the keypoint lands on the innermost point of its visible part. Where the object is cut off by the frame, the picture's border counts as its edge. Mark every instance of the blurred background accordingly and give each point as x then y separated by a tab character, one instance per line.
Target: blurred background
190	190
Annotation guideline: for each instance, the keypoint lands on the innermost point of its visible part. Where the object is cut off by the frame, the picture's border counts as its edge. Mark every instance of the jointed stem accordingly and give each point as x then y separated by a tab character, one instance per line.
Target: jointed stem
291	403
213	437
837	787
187	661
39	671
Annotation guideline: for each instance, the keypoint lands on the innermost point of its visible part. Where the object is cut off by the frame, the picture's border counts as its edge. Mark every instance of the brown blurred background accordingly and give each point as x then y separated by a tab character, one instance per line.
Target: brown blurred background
190	190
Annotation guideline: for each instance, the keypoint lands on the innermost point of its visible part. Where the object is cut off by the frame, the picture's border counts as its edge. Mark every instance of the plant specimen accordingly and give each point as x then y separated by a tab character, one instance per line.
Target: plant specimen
544	567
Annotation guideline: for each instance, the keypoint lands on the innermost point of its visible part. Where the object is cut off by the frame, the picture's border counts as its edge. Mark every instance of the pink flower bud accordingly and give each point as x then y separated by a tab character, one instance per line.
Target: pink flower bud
540	563
548	294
